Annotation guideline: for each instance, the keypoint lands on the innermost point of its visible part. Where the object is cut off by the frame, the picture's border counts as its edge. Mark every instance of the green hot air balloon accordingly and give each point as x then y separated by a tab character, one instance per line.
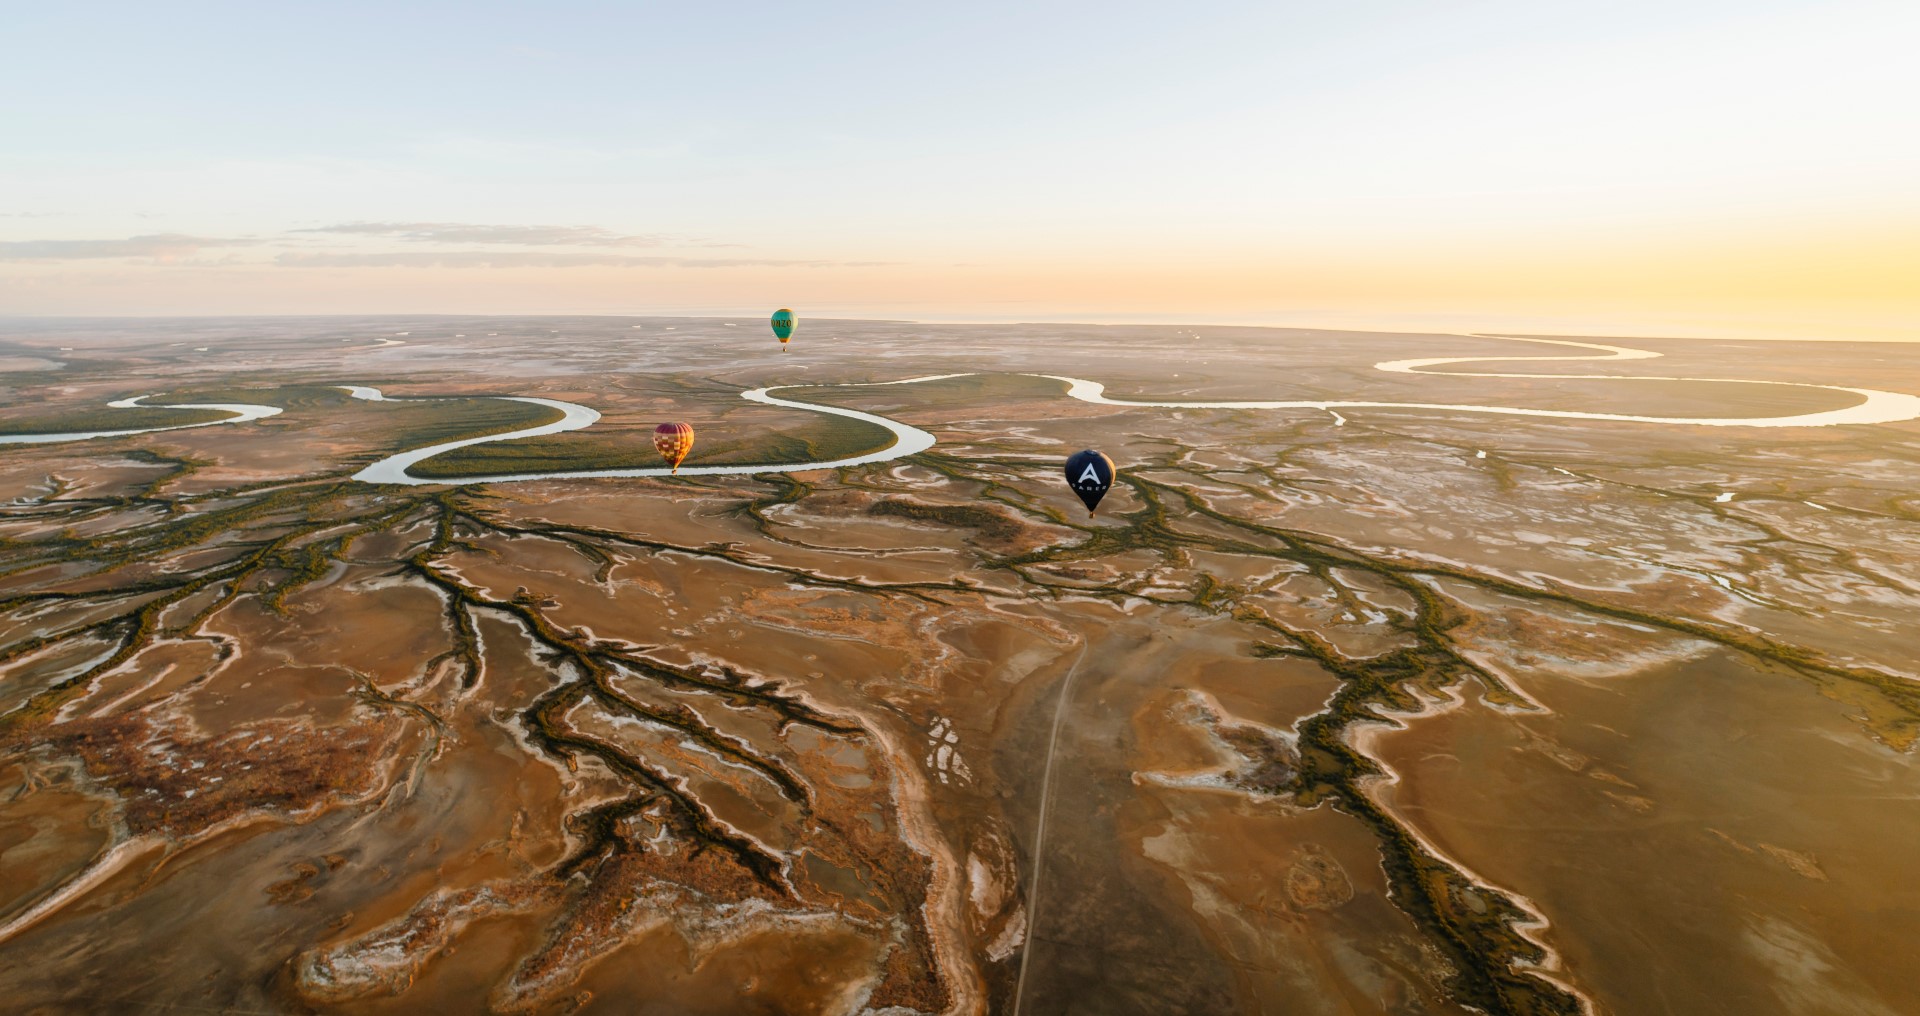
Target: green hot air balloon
783	323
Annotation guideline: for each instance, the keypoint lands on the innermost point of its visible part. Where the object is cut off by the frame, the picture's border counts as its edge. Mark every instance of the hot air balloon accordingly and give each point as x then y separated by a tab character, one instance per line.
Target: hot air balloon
783	322
1089	473
673	441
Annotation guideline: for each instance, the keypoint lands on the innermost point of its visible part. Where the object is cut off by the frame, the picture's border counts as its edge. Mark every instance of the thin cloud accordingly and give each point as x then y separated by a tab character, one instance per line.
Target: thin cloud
158	245
531	259
520	236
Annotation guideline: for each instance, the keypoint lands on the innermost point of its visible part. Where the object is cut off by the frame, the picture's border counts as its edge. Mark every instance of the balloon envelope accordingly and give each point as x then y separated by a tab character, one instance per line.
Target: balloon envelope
1089	473
673	441
783	322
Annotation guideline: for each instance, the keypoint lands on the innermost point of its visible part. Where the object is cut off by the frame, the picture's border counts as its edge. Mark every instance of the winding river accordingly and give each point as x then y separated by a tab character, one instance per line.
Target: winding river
243	412
907	440
1874	406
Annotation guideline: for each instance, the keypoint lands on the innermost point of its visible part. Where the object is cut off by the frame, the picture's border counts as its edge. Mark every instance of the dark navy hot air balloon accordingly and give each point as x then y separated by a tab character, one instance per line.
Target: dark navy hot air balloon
1089	473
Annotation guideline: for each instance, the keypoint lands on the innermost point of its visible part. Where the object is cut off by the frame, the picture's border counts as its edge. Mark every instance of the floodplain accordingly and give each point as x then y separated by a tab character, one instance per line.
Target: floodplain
1340	710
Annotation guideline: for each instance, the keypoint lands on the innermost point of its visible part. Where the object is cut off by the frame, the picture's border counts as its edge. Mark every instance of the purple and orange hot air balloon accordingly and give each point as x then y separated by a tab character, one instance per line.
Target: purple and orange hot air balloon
673	441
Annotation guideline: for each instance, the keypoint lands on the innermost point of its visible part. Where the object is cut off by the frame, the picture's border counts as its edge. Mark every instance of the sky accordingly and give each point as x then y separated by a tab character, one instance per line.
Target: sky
1653	168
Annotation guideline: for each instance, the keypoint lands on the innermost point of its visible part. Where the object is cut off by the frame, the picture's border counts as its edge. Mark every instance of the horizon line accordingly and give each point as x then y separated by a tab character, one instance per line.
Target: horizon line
1166	322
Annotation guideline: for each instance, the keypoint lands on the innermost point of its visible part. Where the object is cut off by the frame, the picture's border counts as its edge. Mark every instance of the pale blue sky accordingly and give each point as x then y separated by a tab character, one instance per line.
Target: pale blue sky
1188	160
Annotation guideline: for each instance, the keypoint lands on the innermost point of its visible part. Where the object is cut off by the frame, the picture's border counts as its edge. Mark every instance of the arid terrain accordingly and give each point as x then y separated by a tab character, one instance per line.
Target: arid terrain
1354	709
